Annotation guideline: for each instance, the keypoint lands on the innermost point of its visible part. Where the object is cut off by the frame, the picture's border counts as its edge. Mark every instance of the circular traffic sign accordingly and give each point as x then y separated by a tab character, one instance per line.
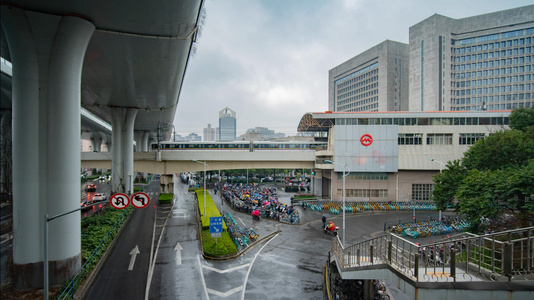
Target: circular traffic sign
119	201
140	200
366	139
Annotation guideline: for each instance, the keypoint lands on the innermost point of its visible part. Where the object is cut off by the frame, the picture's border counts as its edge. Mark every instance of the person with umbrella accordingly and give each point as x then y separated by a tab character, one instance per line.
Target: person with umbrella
324	220
256	214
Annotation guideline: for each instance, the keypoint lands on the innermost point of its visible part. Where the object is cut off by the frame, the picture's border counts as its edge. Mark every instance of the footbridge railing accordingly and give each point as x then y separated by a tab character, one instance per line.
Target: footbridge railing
502	256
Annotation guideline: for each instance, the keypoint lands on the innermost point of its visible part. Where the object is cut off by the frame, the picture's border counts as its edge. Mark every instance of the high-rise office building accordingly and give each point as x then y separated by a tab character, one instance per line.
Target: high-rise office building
375	80
484	62
210	134
227	125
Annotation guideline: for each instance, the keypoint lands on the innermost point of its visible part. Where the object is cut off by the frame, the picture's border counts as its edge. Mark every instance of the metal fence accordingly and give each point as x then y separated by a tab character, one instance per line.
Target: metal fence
502	256
70	290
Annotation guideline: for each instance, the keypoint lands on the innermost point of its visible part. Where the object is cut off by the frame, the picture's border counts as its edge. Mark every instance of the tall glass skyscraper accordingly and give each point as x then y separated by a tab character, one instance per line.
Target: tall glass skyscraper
227	125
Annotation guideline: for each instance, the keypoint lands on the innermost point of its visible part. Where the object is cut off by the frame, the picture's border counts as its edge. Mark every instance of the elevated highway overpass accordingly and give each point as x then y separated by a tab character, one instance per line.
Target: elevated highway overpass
124	62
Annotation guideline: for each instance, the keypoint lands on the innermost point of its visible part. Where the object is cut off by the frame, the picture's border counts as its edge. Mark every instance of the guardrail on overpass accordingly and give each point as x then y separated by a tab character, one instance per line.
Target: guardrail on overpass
500	263
177	161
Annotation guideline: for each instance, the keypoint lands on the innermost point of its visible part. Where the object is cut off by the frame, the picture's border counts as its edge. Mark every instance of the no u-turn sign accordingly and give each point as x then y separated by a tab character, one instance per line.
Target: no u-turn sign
121	201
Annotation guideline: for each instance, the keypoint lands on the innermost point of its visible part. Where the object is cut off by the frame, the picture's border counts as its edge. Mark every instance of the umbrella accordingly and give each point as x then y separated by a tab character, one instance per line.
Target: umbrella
326	215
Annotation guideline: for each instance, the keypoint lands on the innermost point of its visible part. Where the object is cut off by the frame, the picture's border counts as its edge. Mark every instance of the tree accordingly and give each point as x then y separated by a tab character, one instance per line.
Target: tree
495	178
498	193
500	150
449	181
522	119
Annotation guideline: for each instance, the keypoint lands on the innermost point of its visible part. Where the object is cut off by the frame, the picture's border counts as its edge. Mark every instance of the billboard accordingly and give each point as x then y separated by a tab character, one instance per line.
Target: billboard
366	148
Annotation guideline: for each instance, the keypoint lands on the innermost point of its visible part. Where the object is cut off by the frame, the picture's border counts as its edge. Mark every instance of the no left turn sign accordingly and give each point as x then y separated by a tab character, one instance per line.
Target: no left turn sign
119	201
140	200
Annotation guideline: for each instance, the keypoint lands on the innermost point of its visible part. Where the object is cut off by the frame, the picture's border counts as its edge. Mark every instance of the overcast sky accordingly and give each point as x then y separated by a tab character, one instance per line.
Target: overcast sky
269	60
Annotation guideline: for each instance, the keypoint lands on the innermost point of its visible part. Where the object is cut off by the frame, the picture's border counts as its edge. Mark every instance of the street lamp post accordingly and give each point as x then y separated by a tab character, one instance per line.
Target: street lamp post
130	184
205	167
345	173
441	165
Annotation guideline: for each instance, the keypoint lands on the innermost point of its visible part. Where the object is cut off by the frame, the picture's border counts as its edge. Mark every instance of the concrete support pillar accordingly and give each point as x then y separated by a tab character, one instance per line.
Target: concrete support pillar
5	151
96	142
47	53
146	135
123	120
108	144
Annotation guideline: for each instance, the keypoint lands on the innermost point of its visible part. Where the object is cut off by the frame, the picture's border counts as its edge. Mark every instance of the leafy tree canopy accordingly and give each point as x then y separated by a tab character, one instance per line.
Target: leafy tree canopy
500	150
522	119
495	178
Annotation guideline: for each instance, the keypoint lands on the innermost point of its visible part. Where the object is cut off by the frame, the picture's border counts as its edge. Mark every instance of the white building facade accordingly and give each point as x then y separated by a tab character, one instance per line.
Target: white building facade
393	156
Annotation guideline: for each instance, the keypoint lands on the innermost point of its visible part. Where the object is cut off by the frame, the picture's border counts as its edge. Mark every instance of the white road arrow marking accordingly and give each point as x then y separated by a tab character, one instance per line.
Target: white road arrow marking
221	294
178	248
133	253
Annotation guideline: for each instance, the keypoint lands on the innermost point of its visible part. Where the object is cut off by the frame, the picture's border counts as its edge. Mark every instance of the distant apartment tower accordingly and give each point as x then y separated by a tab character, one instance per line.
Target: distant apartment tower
375	80
193	137
227	125
210	134
483	62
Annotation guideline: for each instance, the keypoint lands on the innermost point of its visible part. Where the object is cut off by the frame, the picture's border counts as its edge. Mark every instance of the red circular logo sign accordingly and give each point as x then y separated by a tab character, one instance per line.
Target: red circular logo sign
366	140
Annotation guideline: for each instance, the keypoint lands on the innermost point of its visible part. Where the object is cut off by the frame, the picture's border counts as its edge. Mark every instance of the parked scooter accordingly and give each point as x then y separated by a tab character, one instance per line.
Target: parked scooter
331	229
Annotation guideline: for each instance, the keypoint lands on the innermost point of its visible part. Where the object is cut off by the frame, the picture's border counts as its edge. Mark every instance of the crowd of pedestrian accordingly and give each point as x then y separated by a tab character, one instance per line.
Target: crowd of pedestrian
260	200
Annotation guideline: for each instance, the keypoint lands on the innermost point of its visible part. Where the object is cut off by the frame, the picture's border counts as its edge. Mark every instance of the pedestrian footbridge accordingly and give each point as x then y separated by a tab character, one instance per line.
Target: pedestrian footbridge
465	266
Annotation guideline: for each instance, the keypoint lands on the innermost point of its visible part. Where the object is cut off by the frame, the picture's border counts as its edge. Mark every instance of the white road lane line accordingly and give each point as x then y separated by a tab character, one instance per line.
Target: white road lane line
226	270
202	277
230	292
250	268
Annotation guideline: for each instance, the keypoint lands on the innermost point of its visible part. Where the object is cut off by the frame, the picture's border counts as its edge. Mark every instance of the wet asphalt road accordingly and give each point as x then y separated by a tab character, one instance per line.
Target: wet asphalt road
287	265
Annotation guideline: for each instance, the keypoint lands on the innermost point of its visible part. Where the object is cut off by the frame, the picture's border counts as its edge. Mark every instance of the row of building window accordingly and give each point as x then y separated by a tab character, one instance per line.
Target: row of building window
357	82
497	63
422	192
507	106
424	121
491	81
370	107
497	90
494	54
490	99
346	105
355	76
358	93
496	45
492	72
353	193
364	176
438	138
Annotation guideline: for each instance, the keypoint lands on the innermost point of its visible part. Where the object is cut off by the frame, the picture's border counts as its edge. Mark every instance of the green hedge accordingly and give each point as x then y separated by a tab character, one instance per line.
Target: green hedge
211	209
166	198
224	245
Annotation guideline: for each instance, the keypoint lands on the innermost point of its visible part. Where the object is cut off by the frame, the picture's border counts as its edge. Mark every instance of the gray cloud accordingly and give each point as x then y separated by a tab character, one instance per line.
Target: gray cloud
269	60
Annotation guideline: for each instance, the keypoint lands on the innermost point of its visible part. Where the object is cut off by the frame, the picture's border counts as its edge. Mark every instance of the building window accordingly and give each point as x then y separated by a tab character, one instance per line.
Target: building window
410	139
422	192
439	139
353	193
470	138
